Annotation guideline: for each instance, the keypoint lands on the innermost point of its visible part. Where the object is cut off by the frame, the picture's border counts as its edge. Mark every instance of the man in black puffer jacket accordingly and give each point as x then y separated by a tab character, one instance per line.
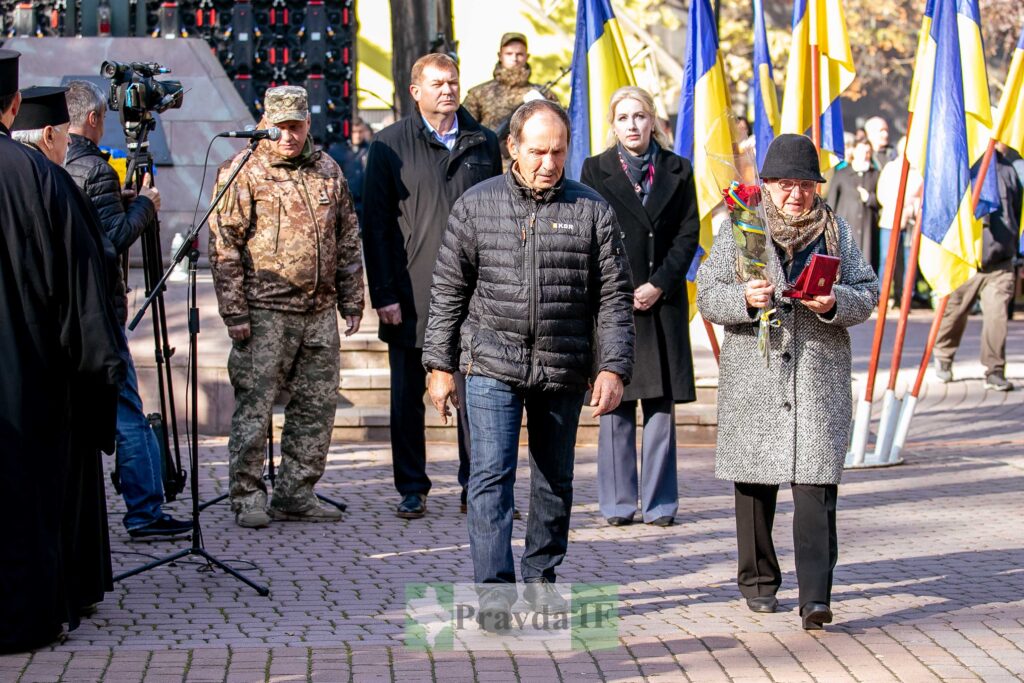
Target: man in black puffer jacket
530	273
138	451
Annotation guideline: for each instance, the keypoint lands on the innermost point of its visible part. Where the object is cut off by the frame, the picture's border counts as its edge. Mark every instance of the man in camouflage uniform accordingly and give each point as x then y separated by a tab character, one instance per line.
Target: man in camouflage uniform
493	102
284	251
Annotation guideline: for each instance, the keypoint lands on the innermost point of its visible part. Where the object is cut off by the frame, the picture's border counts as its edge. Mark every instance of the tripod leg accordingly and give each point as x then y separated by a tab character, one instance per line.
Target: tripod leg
336	503
262	590
213	501
270	451
154	564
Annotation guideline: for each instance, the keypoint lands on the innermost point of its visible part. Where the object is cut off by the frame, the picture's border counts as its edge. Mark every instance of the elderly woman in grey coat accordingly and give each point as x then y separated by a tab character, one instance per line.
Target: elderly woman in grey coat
787	420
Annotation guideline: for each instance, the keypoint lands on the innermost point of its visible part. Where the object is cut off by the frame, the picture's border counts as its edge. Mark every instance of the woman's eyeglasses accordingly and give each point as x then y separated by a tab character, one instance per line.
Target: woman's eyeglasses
805	186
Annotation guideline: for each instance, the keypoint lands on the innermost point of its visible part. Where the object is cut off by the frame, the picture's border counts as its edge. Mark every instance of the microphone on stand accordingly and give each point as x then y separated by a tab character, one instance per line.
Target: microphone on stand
272	133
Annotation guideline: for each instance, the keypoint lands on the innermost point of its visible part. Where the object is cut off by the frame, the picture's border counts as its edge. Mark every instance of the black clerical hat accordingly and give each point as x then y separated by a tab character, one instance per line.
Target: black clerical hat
42	106
8	72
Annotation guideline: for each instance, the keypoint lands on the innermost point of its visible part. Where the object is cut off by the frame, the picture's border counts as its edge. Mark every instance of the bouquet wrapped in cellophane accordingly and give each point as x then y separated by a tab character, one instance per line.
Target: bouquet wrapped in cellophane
737	175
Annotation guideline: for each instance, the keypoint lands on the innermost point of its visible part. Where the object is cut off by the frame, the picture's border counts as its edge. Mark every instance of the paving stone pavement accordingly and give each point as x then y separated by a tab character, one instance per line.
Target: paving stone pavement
930	582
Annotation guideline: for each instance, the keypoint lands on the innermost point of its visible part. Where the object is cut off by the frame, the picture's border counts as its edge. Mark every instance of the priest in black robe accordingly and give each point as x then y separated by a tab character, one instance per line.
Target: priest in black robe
59	341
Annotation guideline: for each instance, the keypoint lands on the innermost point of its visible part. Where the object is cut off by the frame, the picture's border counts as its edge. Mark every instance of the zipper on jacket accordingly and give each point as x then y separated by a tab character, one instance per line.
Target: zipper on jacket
534	295
316	229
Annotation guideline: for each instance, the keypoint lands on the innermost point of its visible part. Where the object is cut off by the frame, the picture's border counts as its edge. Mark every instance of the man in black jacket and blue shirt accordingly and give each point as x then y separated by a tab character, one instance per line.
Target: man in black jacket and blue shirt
416	170
531	274
138	451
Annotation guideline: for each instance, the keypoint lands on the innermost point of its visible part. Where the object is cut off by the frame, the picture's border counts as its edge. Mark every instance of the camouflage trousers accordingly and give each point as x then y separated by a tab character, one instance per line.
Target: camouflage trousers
297	352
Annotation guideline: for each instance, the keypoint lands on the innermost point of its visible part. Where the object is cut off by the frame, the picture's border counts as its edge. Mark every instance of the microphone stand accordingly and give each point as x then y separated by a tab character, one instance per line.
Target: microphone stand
190	248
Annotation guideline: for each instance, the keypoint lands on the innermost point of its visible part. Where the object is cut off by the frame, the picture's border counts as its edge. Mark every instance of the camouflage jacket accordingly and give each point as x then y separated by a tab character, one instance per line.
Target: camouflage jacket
285	237
493	102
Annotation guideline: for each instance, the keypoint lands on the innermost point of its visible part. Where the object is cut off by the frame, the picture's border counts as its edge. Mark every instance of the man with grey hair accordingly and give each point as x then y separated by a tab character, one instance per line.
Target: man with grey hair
877	130
530	273
42	122
124	217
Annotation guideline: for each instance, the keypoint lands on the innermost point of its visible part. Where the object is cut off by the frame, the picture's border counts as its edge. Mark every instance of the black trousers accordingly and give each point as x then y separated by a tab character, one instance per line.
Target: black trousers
408	414
814	539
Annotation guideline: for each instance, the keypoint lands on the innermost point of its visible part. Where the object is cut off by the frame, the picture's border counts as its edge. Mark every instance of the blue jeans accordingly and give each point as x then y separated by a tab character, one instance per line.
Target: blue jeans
138	457
495	412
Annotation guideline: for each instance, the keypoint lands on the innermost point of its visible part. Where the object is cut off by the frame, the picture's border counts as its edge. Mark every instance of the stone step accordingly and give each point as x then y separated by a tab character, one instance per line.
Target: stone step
363	351
696	423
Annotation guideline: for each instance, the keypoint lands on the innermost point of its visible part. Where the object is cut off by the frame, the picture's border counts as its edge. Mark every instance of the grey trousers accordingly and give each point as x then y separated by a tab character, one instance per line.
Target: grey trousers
617	461
996	290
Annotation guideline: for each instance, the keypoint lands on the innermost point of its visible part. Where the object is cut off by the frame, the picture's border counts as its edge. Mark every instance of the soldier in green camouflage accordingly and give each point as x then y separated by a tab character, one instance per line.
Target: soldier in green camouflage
284	251
493	102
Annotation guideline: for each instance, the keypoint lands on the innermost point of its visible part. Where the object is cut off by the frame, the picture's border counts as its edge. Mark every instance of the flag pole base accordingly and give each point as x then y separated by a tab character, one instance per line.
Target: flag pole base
861	426
887	425
871	462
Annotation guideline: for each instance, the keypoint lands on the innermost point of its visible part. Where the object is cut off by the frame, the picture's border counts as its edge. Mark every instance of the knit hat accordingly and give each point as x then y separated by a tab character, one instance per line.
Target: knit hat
792	156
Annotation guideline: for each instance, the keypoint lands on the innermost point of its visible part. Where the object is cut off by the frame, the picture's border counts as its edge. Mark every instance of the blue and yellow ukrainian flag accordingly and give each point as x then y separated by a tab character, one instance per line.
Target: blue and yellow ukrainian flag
766	99
600	66
948	138
821	23
702	130
1009	127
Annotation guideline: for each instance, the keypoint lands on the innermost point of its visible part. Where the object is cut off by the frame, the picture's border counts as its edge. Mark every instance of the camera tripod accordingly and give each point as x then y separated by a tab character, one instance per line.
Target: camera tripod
139	165
190	249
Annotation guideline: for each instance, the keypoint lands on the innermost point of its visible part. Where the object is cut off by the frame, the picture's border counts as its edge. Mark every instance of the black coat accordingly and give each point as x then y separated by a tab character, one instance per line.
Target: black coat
661	240
862	216
522	286
98	180
411	183
60	365
1000	238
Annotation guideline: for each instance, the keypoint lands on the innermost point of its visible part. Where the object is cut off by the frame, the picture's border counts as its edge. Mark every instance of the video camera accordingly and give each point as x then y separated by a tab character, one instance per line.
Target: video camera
136	93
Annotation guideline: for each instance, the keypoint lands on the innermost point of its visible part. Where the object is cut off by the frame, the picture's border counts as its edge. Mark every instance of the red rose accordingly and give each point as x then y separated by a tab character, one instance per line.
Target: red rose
750	194
729	201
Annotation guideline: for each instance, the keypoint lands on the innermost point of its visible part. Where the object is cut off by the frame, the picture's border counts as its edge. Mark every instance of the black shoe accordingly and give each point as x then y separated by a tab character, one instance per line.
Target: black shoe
495	611
515	514
165	526
620	521
667	520
412	506
542	597
766	604
814	614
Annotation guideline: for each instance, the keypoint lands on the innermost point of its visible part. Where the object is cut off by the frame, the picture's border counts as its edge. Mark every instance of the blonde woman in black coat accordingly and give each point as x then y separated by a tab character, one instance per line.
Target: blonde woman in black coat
654	197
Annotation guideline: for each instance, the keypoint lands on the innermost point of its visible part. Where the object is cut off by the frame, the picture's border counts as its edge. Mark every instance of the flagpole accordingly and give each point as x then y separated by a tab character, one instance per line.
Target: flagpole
862	422
940	309
816	95
713	339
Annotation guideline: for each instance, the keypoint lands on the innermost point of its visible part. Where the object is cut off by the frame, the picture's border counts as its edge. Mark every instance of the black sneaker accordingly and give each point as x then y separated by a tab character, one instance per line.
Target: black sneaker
166	526
997	382
543	597
944	371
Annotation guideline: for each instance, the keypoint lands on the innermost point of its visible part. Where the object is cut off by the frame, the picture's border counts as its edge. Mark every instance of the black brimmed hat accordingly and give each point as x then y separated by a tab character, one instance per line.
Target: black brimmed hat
792	156
8	72
42	106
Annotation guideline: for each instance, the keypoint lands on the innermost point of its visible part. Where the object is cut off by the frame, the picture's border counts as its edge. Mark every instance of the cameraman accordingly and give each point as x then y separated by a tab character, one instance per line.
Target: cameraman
138	451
